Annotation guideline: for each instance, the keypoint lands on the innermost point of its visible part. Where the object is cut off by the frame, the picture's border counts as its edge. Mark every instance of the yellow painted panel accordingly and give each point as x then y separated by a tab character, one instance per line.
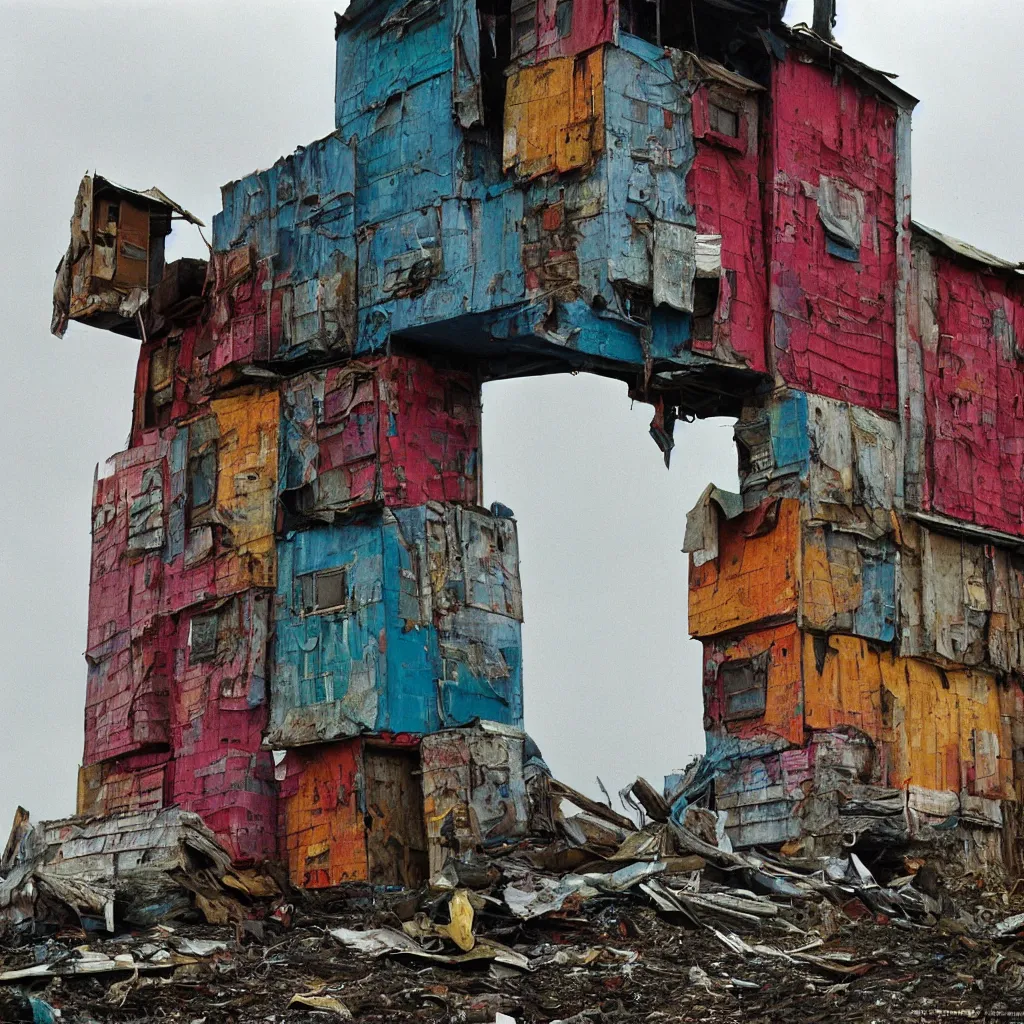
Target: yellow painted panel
848	689
753	580
554	115
247	487
944	727
830	588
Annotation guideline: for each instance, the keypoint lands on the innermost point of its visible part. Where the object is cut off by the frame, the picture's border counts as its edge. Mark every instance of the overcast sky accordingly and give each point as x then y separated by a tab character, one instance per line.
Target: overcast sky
188	96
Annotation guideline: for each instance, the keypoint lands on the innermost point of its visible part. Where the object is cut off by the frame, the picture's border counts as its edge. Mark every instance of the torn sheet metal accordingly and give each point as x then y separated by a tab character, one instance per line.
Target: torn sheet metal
394	431
754	579
474	790
960	600
848	584
404	621
81	865
842	459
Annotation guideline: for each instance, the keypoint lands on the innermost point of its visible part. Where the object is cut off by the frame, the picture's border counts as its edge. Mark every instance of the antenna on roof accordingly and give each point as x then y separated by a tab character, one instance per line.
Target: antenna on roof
824	18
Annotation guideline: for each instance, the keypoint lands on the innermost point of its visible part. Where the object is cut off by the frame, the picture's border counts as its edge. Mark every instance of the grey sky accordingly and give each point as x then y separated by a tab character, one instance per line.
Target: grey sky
188	96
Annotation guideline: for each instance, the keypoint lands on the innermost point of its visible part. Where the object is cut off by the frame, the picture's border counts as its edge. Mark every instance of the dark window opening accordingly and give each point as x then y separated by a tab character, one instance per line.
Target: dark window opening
754	446
496	46
160	389
524	26
723	121
705	304
706	28
324	591
637	303
642	18
202	641
745	687
563	18
202	478
113	213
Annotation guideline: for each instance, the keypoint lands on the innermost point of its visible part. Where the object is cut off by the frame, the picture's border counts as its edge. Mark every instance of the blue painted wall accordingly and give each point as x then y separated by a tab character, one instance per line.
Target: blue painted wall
430	636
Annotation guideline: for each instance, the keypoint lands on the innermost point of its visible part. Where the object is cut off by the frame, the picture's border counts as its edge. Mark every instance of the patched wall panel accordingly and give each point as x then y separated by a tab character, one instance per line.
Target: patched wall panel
833	260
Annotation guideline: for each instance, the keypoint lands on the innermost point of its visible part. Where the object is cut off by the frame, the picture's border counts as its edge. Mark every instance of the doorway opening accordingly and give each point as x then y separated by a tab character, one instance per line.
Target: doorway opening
611	679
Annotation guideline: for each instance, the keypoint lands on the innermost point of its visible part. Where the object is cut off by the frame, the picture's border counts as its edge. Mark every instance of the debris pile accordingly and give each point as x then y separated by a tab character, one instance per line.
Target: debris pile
587	918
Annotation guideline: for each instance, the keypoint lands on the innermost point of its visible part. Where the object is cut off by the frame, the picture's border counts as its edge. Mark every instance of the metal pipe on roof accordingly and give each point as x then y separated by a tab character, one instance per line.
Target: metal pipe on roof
824	18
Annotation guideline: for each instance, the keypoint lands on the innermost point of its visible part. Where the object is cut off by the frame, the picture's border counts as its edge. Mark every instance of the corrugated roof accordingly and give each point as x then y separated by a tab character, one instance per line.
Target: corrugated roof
966	251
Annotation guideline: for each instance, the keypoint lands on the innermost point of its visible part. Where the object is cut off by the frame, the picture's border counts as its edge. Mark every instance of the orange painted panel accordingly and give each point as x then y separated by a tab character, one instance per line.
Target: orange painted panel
754	578
247	487
324	832
783	717
848	688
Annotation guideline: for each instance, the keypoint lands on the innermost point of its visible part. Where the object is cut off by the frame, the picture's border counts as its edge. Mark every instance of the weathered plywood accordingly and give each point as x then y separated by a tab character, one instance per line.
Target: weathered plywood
396	840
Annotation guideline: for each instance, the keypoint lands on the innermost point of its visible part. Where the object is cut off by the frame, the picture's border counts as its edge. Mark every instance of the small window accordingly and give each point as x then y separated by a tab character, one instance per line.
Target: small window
160	392
113	213
563	18
202	640
723	121
524	27
745	687
202	477
324	591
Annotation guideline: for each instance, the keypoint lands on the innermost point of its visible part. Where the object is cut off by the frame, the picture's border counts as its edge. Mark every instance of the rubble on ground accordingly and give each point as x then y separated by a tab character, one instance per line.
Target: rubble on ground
588	918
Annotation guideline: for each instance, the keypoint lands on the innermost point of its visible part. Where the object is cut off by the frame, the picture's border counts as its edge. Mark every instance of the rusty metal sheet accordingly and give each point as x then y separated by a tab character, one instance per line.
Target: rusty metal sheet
473	787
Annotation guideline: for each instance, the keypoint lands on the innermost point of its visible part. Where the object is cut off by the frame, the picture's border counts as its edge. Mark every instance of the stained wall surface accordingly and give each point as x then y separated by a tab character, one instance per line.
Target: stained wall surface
291	553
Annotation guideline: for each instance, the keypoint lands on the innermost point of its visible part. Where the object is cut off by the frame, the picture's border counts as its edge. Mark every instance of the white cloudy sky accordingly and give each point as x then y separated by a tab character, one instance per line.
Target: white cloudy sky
189	95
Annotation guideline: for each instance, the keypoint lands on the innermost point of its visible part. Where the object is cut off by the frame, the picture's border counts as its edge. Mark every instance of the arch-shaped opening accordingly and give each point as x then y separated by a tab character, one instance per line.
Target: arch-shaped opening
612	680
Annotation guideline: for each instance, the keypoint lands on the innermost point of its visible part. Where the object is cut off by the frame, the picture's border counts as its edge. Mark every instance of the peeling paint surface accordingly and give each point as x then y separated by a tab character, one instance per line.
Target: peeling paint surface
290	555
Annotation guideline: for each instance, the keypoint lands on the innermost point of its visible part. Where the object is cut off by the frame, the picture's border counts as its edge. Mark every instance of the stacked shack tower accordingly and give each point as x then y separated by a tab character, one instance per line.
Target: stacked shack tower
711	207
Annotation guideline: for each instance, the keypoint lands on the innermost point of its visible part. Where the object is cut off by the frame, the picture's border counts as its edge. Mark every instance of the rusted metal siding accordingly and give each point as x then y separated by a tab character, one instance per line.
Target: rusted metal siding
833	326
323	834
351	811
